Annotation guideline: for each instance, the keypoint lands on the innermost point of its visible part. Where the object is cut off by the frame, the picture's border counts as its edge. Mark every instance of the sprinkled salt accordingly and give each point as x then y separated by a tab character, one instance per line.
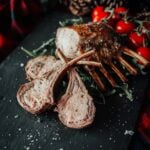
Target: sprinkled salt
19	129
29	137
16	116
22	65
26	147
5	147
120	94
54	138
128	132
110	138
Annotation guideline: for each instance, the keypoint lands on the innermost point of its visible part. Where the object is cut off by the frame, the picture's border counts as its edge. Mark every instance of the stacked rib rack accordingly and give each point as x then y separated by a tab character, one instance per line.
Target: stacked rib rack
92	44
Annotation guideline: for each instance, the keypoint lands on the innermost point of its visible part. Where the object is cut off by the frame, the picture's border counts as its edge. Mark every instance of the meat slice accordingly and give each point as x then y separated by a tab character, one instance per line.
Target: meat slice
38	66
76	108
37	95
70	40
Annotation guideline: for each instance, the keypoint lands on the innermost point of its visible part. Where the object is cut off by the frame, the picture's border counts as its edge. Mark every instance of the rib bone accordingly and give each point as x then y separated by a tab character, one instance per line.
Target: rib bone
94	75
105	72
135	55
119	73
130	68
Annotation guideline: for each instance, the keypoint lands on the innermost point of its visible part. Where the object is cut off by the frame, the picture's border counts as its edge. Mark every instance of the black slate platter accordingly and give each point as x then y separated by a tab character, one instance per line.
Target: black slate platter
20	130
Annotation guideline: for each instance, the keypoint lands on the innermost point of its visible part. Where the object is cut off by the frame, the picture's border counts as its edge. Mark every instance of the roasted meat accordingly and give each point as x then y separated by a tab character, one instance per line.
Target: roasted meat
37	95
76	108
77	39
70	40
38	66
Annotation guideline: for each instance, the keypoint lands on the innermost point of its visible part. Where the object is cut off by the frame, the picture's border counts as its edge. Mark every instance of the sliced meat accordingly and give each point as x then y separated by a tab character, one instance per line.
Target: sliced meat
76	108
37	95
38	66
70	40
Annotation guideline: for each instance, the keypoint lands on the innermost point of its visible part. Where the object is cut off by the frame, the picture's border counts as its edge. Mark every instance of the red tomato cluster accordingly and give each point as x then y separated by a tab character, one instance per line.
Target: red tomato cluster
117	18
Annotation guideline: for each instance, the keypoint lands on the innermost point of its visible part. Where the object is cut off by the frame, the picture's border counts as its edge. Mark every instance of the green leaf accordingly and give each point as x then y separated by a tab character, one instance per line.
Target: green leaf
128	93
71	22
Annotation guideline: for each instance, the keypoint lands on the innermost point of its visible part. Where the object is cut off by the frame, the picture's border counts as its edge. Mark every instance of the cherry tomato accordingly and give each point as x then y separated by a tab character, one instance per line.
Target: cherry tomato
137	39
120	10
97	10
145	52
102	15
116	16
124	27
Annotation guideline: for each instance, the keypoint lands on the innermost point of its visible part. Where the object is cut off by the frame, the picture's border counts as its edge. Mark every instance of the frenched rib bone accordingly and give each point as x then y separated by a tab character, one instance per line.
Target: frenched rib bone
76	108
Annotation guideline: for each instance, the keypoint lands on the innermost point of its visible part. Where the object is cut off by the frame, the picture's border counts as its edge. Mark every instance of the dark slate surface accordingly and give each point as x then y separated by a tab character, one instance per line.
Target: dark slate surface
20	130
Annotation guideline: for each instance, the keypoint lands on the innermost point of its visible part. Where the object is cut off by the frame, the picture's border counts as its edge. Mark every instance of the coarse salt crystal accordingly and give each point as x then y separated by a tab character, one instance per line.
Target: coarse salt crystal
22	65
128	132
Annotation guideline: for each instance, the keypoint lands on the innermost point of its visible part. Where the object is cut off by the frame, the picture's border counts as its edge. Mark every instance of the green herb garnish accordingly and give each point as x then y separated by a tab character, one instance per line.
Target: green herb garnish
41	50
126	91
71	22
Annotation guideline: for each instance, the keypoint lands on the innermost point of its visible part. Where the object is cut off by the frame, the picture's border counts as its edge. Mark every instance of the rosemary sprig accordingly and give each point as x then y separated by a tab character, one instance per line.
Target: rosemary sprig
41	50
30	53
127	92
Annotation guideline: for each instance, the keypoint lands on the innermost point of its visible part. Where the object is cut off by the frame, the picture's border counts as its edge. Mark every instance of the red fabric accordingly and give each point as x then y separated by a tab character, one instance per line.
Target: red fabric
17	18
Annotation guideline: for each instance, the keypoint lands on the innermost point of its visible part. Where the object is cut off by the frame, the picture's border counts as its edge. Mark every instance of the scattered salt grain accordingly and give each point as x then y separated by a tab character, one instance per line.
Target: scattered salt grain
26	147
19	129
5	147
110	138
54	138
16	116
29	137
60	149
22	65
120	94
38	120
128	132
